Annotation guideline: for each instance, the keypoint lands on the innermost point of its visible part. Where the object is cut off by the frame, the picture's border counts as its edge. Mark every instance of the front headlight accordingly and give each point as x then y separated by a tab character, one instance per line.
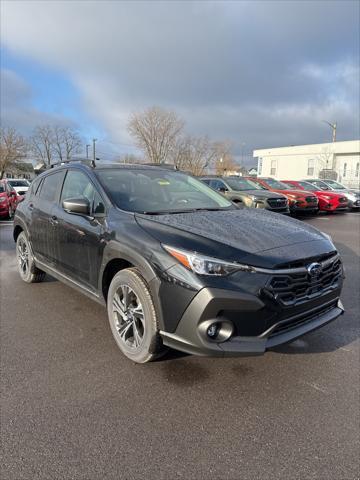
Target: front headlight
296	197
3	199
351	197
203	265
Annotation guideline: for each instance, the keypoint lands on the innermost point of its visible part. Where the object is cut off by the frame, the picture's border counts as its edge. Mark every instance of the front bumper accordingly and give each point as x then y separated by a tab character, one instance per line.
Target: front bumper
249	315
304	207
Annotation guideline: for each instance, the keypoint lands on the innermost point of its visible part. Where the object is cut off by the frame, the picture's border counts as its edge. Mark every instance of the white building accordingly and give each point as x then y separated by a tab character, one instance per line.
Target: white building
339	161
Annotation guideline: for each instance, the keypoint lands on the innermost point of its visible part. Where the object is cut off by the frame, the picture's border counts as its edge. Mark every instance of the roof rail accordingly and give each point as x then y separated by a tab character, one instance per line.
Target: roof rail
169	166
85	161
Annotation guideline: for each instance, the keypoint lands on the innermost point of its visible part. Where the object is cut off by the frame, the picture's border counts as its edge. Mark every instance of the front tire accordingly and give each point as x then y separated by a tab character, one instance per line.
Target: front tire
26	265
132	317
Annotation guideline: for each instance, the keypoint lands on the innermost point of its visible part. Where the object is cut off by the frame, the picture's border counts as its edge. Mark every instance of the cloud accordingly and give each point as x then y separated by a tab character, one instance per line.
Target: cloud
17	108
264	73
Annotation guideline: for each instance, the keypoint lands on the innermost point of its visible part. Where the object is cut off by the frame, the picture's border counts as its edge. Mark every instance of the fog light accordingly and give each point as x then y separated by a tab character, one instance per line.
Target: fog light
216	331
213	330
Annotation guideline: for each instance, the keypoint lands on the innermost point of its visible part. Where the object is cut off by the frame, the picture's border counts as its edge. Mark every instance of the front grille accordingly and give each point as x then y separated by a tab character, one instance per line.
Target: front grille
277	202
311	200
296	287
342	199
297	321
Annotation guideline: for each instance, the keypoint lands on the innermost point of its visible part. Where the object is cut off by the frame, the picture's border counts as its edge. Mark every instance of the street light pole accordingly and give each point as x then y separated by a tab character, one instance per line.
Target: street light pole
333	127
94	149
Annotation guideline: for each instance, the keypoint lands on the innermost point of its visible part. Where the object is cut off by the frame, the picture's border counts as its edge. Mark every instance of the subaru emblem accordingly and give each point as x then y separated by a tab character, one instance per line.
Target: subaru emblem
314	269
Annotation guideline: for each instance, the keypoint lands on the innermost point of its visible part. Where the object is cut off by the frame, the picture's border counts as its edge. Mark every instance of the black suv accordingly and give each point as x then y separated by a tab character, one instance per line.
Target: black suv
176	263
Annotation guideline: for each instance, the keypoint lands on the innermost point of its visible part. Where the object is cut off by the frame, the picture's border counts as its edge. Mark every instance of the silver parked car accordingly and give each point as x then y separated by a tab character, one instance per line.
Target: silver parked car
243	191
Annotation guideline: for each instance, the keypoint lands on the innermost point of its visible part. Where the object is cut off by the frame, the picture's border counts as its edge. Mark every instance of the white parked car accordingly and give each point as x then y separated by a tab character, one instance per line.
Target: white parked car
21	185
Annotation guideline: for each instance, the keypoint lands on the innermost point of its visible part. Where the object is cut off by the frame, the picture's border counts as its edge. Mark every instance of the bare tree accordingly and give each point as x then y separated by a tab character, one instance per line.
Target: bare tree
155	132
42	144
194	154
67	142
50	143
224	162
12	148
129	158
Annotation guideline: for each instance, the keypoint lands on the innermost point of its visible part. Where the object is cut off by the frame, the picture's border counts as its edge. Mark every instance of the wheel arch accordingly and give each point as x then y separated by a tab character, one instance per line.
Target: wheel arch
117	258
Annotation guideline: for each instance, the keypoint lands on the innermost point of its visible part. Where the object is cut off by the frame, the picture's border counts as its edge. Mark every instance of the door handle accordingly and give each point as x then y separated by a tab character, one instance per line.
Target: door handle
53	220
31	206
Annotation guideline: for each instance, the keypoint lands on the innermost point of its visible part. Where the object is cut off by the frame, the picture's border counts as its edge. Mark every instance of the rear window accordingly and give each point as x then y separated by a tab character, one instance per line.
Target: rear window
50	186
2	189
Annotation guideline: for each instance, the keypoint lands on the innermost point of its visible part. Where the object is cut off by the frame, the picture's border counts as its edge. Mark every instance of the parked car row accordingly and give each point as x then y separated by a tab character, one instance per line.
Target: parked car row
12	192
287	196
176	263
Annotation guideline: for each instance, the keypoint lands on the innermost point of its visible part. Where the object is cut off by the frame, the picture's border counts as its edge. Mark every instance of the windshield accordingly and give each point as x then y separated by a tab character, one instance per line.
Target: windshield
335	185
18	183
290	186
319	184
159	191
241	184
308	186
276	184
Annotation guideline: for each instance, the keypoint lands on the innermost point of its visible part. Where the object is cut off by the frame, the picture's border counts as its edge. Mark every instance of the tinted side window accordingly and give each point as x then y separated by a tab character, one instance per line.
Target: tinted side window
217	184
77	185
98	204
50	186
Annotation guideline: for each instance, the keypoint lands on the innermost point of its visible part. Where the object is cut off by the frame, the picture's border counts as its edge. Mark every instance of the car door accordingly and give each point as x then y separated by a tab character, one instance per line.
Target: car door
79	238
41	225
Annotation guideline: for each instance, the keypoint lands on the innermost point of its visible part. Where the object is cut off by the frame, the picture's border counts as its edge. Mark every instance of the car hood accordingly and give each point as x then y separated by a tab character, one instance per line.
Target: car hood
232	234
260	193
302	193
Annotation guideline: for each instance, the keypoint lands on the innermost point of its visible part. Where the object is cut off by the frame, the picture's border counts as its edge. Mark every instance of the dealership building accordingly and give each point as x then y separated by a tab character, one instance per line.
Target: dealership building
339	161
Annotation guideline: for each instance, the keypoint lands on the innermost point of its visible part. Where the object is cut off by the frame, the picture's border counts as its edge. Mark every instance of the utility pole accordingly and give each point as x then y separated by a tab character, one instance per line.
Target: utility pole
94	149
87	151
333	127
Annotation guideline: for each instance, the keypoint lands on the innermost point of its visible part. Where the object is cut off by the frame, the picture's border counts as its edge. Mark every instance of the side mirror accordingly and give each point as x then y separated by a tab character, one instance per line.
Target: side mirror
80	206
223	189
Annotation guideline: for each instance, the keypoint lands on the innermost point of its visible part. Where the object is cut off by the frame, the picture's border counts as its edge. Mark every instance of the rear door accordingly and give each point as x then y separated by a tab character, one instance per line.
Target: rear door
41	226
79	238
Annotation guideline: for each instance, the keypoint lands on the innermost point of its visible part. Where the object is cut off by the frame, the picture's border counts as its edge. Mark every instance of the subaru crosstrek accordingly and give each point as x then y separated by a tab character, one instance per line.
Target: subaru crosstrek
176	263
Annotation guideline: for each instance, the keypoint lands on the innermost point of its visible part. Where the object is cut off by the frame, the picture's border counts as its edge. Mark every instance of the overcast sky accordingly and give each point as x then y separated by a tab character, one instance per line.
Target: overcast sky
258	73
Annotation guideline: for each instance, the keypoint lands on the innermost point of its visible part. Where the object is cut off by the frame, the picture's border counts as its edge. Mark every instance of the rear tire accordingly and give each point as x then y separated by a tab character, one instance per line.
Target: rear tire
26	265
132	317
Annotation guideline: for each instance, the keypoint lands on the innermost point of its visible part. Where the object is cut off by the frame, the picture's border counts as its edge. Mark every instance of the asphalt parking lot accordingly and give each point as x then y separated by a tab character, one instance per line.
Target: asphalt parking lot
74	408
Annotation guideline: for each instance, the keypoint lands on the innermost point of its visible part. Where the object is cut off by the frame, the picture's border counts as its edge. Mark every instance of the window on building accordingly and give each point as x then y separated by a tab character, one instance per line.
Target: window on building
260	163
311	167
345	168
357	169
273	167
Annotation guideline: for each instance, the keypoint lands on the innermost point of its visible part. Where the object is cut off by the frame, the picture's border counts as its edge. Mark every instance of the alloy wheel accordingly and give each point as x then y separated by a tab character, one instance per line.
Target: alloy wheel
23	257
128	317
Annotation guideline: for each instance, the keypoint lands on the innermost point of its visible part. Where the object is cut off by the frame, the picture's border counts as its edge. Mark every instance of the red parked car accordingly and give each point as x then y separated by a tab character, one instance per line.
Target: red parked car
328	201
8	200
300	201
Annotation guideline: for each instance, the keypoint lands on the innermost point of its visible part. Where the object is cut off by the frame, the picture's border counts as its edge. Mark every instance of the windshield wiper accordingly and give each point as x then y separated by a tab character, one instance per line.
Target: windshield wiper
189	210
